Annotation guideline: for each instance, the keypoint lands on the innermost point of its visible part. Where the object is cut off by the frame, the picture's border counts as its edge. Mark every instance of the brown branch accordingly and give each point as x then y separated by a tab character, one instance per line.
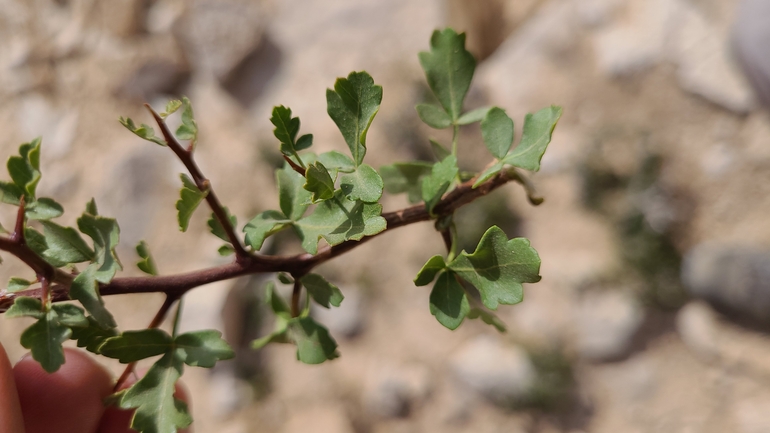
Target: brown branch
294	166
186	156
301	264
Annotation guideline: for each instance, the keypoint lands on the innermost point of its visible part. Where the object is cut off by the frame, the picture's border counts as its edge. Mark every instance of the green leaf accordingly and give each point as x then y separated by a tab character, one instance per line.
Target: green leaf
85	289
10	193
132	346
25	306
314	344
285	278
433	116
91	207
293	198
25	169
449	69
352	105
487	317
262	226
335	162
226	250
16	284
535	138
188	130
189	199
363	184
216	228
304	142
473	116
319	182
36	242
92	336
338	220
147	264
498	267
497	132
43	209
203	348
286	129
448	301
441	176
143	131
274	300
322	291
171	107
405	177
44	339
157	410
489	173
439	151
433	266
105	234
279	334
65	244
70	315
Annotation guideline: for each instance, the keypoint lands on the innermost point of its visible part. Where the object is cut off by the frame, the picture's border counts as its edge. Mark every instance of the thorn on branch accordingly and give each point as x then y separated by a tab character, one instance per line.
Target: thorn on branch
18	231
294	165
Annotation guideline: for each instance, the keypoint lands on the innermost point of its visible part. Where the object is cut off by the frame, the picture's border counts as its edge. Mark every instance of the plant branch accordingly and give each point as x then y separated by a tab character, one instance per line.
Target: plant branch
186	156
301	264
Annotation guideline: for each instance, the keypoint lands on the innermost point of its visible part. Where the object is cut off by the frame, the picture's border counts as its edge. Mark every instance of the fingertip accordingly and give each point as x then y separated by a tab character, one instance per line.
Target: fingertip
67	401
10	408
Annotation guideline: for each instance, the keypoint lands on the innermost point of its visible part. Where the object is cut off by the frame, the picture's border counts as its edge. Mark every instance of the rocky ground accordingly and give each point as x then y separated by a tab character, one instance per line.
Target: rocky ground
653	311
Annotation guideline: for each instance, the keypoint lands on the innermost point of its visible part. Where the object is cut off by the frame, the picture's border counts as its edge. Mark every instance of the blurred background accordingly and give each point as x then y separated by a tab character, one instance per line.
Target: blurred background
654	308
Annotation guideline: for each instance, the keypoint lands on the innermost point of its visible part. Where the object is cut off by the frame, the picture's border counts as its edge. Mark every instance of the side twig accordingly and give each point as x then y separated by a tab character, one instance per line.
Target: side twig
186	156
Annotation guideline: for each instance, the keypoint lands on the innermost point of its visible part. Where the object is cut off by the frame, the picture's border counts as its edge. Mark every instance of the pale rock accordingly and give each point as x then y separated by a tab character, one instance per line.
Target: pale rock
605	324
635	42
632	382
319	418
502	373
162	15
227	393
705	66
735	277
526	55
751	415
594	13
697	326
38	117
393	392
750	39
155	77
217	35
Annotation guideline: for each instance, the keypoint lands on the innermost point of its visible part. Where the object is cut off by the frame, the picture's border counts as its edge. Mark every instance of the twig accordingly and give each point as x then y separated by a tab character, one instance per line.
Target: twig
295	295
186	156
156	321
301	264
294	165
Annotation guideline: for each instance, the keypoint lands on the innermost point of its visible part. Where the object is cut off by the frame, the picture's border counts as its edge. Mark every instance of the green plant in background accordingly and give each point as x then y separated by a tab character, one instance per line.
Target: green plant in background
330	196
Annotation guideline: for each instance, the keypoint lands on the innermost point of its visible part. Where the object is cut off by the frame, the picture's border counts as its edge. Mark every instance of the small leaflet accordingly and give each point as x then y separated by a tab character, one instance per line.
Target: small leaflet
352	105
189	199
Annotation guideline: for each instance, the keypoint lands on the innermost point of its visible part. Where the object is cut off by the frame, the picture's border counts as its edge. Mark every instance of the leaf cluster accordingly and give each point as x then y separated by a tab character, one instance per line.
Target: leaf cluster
330	198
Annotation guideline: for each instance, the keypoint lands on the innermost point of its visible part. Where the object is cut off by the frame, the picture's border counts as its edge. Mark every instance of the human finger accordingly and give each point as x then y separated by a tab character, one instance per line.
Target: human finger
10	409
67	401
